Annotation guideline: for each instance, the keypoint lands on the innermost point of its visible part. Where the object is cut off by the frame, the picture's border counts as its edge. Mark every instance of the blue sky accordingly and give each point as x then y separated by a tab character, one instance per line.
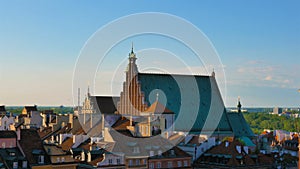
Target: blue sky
257	41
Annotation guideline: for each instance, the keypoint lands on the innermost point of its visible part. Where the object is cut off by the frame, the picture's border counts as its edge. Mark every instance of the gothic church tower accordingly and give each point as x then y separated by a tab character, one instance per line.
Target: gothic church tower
132	98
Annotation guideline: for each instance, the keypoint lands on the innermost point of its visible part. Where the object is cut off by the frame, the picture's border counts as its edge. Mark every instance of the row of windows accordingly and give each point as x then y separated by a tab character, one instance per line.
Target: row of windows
170	164
16	164
137	162
110	161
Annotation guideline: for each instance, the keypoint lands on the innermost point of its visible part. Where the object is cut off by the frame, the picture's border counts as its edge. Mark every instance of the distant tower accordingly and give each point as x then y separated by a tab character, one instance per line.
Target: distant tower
132	98
213	74
239	105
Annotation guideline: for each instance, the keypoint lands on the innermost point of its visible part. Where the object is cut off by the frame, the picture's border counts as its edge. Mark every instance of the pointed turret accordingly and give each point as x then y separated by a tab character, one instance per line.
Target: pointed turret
132	54
213	74
88	91
239	105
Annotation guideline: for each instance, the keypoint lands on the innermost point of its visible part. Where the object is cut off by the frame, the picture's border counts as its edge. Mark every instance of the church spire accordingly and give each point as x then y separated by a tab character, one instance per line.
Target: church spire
88	90
239	105
131	99
132	54
213	74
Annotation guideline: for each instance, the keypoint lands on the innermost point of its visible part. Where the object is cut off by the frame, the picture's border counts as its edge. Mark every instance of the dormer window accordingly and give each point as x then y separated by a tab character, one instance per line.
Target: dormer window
172	152
136	150
24	164
151	153
15	165
159	152
41	159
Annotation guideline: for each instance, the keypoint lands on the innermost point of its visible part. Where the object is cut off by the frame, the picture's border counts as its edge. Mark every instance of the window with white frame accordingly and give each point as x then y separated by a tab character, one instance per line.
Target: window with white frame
130	162
170	164
179	164
137	162
159	153
24	164
110	161
158	165
185	163
41	159
136	150
118	161
15	164
151	165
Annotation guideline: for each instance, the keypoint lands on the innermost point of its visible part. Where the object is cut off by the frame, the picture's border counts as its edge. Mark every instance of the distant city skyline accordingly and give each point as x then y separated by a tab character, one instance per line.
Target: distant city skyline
257	42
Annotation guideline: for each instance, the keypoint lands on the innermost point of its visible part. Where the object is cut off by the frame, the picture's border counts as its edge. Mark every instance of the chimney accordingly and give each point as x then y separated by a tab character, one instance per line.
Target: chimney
71	120
49	118
60	138
83	118
18	134
103	124
17	119
130	119
74	139
82	155
89	157
91	117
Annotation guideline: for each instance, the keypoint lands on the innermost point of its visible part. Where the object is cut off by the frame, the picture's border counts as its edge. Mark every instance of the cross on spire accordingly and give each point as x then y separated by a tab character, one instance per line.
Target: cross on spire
131	47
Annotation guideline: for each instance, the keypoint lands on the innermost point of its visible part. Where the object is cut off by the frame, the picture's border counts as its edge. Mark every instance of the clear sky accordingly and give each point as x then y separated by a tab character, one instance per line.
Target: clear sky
258	43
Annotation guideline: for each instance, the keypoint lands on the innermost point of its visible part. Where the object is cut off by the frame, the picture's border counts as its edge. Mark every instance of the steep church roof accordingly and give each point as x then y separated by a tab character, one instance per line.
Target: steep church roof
105	104
192	98
239	125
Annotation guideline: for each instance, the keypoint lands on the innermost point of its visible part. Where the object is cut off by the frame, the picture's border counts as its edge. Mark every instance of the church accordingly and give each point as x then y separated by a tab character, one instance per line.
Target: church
182	103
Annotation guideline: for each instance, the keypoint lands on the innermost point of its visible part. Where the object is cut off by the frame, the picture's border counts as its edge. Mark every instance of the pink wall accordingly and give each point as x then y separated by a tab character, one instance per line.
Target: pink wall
7	142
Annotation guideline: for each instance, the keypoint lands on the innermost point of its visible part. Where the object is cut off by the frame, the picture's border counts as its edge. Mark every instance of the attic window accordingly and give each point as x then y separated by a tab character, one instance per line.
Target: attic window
172	152
151	153
136	150
24	164
15	164
41	159
159	152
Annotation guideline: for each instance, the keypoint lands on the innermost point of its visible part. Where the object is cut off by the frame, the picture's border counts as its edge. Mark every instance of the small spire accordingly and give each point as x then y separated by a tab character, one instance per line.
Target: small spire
213	74
131	47
157	95
132	54
239	105
88	90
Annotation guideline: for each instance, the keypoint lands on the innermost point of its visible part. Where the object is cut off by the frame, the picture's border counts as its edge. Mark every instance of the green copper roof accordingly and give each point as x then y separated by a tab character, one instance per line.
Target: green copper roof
247	141
190	97
239	125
